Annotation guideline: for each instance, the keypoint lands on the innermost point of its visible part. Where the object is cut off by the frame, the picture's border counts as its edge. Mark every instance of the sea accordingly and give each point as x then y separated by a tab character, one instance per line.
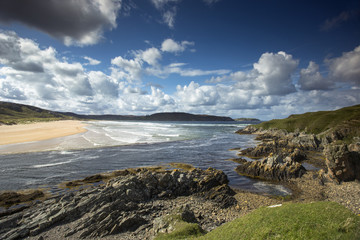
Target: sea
114	145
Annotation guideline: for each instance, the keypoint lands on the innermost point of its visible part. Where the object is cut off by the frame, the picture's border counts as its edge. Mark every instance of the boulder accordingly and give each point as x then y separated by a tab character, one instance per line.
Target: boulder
343	164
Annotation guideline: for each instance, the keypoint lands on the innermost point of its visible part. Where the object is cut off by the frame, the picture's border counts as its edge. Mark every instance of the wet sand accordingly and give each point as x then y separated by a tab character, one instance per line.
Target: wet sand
39	131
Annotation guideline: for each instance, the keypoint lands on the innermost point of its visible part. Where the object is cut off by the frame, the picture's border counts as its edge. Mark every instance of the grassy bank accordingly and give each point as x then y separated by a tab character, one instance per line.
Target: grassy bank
11	113
318	220
318	122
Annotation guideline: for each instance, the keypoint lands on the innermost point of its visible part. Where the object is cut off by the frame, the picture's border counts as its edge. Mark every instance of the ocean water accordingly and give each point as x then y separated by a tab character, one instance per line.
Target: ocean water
113	145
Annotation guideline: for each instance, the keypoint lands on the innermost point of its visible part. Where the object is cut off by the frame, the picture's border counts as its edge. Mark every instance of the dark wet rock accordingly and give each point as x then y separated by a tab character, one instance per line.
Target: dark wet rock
10	197
343	164
222	194
125	203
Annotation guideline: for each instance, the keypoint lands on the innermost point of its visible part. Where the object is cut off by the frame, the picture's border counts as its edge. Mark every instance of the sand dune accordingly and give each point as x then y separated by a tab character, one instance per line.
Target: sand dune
39	131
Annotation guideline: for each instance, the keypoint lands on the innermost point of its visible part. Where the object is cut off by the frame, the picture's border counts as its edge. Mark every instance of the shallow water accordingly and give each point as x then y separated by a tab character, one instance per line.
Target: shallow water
109	146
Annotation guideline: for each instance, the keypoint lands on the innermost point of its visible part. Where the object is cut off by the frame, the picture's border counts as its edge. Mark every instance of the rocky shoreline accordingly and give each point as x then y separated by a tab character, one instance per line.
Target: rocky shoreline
129	206
280	155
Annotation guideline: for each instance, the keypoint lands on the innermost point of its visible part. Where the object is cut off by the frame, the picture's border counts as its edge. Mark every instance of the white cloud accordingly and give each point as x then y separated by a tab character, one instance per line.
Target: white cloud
195	95
136	101
274	73
37	76
30	72
311	79
169	45
92	61
130	70
346	68
103	84
60	18
151	56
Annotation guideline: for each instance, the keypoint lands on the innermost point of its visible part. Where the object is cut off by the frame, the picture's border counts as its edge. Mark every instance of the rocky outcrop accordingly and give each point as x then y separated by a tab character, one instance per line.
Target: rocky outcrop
274	167
342	163
125	203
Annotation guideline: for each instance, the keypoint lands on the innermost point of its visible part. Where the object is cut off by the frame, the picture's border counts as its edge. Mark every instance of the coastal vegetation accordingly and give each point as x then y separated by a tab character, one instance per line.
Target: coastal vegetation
12	113
318	220
318	122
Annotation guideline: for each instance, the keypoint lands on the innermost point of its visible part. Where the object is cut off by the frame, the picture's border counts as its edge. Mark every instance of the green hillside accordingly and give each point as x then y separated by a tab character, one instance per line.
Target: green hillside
318	122
12	113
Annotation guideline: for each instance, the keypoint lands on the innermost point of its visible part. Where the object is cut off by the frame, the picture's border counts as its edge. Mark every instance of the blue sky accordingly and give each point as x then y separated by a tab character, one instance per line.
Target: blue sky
251	58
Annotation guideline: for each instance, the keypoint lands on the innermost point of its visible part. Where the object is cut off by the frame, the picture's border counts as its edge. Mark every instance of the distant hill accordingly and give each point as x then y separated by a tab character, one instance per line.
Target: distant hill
13	113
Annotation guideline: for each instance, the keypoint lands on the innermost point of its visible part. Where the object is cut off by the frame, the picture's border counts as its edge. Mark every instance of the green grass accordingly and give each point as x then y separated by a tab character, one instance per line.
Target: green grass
11	113
317	122
319	220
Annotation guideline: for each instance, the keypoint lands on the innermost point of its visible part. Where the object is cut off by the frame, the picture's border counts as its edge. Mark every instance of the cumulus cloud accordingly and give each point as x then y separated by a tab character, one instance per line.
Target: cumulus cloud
151	56
37	72
91	61
195	95
147	63
169	45
274	73
346	68
74	22
36	75
262	87
311	78
138	101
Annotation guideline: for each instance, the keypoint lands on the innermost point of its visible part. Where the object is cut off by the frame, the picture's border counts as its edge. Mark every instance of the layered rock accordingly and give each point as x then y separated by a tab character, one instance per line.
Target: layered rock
274	167
125	203
342	161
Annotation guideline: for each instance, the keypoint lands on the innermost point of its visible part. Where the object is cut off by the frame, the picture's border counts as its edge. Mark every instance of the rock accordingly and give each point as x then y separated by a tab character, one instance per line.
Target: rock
167	223
223	195
124	203
343	165
273	168
10	197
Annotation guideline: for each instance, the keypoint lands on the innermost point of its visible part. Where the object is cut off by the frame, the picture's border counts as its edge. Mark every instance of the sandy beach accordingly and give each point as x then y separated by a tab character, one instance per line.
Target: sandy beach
39	131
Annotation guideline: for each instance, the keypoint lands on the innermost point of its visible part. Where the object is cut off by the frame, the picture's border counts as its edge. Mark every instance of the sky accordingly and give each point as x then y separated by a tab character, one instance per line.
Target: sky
252	58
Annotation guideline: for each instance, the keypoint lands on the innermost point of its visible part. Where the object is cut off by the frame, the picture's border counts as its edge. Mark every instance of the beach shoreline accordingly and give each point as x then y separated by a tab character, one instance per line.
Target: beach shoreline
39	131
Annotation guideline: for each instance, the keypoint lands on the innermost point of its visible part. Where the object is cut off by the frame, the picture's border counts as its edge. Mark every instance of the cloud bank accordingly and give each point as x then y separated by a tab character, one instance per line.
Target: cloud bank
274	87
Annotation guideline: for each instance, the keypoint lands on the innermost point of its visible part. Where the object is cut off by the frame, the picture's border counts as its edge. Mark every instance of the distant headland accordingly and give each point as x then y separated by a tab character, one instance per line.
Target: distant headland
13	113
